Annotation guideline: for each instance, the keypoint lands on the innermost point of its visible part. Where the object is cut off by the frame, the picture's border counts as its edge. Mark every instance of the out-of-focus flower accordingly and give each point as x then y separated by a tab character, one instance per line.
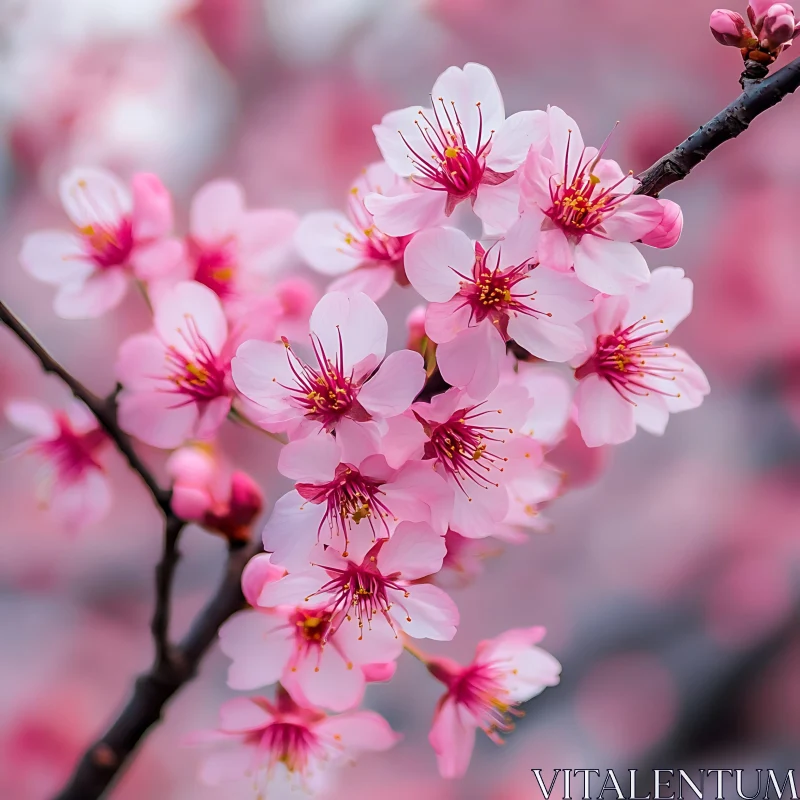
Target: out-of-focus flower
480	299
507	670
632	375
119	232
373	586
206	491
730	28
281	745
69	442
177	379
231	249
286	644
342	391
589	213
351	245
354	501
463	148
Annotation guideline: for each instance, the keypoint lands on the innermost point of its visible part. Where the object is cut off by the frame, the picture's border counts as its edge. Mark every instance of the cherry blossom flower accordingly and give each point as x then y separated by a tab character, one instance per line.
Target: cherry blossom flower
350	245
631	375
177	379
338	502
68	442
231	249
286	644
589	213
207	491
281	745
346	385
463	148
475	447
120	231
506	671
482	298
373	586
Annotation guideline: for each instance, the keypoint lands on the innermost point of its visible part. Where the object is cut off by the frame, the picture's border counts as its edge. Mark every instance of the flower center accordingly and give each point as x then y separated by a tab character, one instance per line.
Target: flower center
324	391
481	692
108	246
200	376
291	744
215	267
360	591
578	204
461	446
350	498
492	293
73	453
633	362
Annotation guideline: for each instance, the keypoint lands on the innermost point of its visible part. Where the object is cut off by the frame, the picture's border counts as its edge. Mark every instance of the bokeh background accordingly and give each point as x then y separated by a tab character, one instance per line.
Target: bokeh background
668	579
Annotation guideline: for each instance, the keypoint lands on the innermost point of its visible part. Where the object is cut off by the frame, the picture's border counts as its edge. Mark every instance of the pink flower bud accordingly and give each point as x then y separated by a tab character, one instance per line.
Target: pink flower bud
728	27
415	324
668	231
257	574
245	504
190	502
379	673
779	24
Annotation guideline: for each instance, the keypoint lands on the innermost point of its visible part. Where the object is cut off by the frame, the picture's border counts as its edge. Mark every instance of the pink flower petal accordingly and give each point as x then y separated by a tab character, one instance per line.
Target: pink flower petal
406	213
32	417
152	207
161	259
241	714
217	210
633	219
513	139
373	281
321	241
291	532
498	206
190	308
359	731
433	614
602	415
555	250
101	292
55	257
610	267
433	260
452	738
398	381
157	417
310	460
92	197
260	646
392	145
414	551
472	360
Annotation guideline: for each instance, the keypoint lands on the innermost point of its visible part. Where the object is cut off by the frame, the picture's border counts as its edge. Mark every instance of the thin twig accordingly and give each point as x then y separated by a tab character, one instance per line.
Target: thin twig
165	574
104	760
103	410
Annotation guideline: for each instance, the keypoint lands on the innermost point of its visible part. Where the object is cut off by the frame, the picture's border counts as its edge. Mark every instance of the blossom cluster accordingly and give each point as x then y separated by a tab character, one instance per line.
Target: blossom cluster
403	462
772	28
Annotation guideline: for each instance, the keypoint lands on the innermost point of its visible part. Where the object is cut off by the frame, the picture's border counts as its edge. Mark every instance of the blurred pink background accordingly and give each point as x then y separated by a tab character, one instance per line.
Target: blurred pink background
669	586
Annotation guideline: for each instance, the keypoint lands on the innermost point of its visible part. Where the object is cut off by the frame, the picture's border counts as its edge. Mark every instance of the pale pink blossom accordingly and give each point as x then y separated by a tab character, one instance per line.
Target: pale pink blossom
475	446
588	211
506	671
73	482
233	249
339	502
286	644
345	385
463	148
374	586
176	380
482	298
280	745
630	374
206	490
350	246
729	28
120	231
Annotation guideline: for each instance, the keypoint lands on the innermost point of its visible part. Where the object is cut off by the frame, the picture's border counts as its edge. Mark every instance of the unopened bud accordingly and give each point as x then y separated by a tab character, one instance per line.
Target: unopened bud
668	231
729	28
258	572
246	502
779	24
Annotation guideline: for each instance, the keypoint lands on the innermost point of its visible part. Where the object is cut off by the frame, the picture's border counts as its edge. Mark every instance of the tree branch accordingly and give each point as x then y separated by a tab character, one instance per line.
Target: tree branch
104	410
727	125
104	760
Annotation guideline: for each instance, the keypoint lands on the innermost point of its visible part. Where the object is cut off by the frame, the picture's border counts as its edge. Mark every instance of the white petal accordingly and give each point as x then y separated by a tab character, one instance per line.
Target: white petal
321	240
610	267
513	139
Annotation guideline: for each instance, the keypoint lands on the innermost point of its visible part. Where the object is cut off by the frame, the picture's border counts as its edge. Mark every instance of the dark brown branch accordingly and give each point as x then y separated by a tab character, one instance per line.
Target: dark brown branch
727	125
104	760
165	574
103	410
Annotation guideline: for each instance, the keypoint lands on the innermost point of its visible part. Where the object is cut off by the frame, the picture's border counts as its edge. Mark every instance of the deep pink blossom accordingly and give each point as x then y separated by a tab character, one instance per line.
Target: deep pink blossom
373	586
344	384
339	502
279	746
177	379
506	671
120	231
482	298
350	246
69	442
588	211
630	374
463	148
